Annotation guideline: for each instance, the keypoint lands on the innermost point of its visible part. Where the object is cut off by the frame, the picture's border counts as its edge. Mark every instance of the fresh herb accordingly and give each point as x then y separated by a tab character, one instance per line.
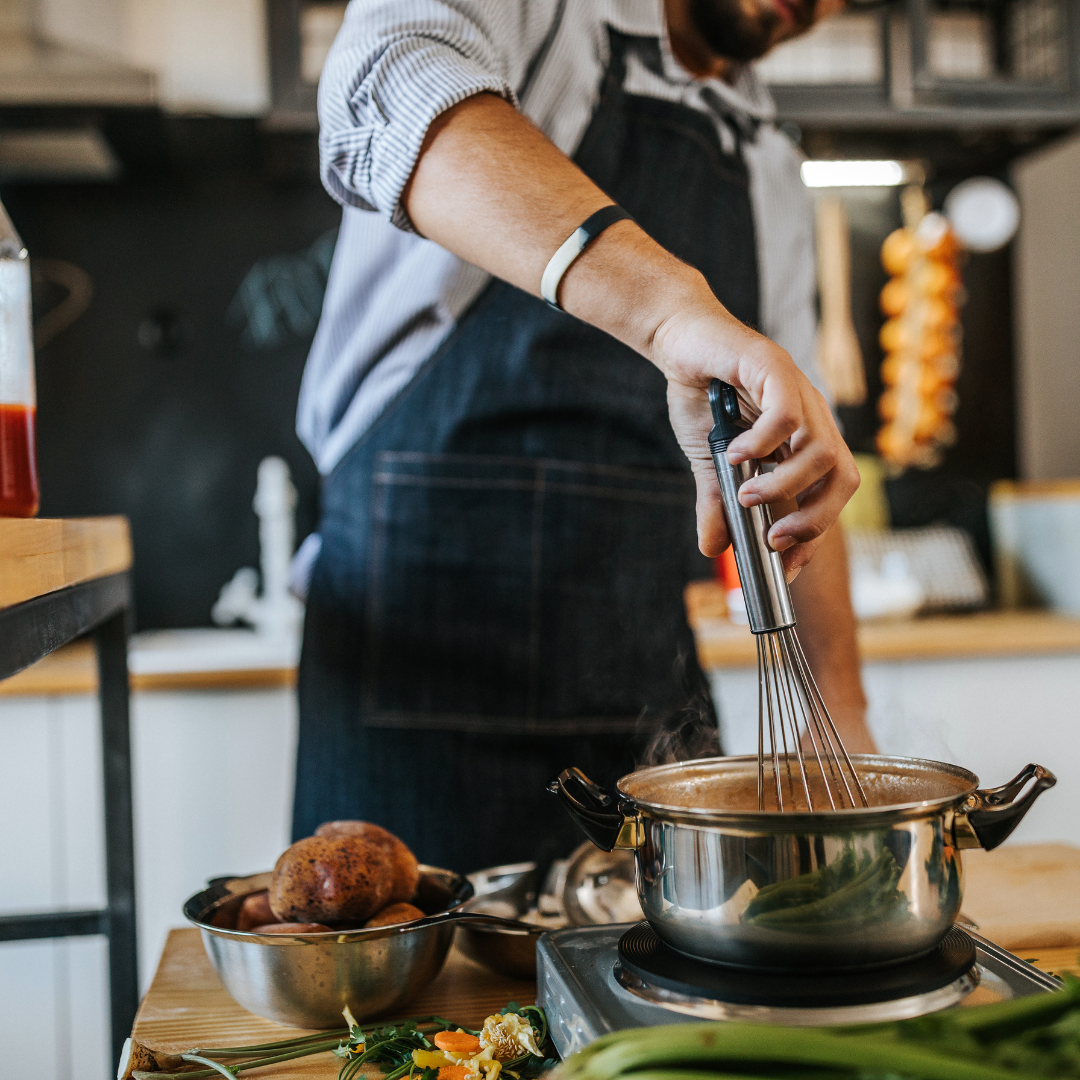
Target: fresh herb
388	1045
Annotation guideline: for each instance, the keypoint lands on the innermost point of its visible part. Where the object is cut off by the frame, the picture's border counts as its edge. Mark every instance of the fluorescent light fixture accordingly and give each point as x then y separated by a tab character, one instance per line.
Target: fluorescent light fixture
853	173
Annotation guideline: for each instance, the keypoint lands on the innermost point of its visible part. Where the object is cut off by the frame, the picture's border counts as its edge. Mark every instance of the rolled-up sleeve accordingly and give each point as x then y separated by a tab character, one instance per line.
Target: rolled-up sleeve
394	67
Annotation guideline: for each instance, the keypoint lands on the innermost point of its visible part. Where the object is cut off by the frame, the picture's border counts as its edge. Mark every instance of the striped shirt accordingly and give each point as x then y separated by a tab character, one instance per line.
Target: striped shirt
393	297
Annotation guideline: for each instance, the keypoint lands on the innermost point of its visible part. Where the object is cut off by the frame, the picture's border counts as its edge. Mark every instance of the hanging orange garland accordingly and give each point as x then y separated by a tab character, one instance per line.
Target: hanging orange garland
921	340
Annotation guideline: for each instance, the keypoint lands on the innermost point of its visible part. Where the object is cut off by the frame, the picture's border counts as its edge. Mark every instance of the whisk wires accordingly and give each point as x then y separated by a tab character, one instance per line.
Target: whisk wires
789	702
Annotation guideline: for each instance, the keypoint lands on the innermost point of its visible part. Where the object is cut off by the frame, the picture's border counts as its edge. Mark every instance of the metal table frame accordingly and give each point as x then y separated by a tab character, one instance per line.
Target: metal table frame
28	632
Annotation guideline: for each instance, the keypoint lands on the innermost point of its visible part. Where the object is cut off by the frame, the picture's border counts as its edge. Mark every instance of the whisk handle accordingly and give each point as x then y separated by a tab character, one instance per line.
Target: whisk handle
761	570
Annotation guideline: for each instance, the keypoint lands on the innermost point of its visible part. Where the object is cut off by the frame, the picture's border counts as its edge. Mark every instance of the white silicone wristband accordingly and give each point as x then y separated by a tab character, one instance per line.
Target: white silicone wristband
572	247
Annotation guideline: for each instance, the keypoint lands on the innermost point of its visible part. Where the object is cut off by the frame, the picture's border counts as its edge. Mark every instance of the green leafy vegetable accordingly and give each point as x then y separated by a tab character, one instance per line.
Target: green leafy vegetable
850	891
1023	1039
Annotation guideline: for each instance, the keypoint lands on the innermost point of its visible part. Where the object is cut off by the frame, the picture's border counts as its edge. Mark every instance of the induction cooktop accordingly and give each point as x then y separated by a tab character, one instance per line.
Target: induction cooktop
596	979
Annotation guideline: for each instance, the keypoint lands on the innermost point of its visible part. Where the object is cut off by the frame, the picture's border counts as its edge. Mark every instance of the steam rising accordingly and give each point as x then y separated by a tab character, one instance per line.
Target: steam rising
682	734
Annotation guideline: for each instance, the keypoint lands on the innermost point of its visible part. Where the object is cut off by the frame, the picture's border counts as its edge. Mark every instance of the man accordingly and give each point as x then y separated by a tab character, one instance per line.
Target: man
507	519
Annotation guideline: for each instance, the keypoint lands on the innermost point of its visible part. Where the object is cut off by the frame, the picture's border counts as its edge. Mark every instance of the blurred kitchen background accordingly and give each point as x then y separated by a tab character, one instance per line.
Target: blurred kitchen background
159	158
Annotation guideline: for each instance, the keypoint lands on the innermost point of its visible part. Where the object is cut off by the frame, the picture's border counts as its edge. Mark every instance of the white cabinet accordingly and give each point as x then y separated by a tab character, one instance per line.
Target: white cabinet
212	778
54	1001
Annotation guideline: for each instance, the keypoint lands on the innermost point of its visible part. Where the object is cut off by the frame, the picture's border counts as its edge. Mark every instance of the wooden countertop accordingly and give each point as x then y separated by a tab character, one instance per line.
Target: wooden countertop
1025	897
73	670
722	644
187	1006
42	555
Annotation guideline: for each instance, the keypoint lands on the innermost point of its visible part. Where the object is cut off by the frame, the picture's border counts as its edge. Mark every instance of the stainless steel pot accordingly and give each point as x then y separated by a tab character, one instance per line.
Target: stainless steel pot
720	880
307	979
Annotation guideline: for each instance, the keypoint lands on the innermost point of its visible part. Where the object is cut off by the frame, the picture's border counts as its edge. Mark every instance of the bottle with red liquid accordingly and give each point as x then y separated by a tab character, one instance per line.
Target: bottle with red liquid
18	399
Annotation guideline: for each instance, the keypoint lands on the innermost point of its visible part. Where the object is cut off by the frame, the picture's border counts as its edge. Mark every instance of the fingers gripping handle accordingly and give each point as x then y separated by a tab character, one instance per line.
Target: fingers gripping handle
761	570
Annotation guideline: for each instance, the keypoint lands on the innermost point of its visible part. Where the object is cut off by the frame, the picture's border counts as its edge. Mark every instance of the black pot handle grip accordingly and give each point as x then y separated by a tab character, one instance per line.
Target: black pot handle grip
597	813
998	814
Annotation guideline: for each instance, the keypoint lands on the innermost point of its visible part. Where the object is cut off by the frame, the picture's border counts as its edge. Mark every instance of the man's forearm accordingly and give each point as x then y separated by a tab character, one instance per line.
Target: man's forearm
822	599
495	191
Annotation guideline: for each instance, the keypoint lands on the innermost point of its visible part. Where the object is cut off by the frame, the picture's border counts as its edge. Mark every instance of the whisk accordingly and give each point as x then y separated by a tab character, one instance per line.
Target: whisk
820	776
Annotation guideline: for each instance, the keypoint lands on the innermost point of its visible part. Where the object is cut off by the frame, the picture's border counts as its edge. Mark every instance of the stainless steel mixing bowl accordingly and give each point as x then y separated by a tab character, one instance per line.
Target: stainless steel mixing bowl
505	949
305	980
720	880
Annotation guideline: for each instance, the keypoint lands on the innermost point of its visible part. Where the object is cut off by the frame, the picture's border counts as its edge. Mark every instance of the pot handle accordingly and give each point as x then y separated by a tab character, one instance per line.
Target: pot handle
596	812
996	814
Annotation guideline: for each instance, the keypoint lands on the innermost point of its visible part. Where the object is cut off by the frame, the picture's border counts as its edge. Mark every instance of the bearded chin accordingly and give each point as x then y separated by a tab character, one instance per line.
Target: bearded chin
730	32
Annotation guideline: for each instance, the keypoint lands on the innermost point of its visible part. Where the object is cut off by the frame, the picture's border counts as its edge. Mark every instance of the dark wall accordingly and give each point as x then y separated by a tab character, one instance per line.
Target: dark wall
154	403
158	404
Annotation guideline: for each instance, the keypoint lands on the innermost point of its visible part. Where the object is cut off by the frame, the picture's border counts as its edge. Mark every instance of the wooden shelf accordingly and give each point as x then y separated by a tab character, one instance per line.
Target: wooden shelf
722	644
43	555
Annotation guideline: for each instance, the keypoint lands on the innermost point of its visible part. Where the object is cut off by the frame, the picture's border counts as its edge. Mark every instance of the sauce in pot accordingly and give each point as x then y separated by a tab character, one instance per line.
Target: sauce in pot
734	786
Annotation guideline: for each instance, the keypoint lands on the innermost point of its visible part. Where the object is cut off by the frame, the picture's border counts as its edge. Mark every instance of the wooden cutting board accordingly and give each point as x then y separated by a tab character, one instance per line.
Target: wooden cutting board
186	1006
1025	896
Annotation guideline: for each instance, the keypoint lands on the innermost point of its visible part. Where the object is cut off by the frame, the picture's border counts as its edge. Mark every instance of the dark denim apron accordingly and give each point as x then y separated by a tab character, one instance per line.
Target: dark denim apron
500	588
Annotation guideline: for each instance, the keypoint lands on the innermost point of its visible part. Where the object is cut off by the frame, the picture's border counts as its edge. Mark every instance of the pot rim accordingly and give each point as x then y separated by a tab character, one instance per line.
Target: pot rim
202	905
816	820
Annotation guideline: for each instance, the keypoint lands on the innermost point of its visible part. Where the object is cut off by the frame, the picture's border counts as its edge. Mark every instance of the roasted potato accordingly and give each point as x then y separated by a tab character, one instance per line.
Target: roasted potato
395	913
292	928
406	871
331	879
254	911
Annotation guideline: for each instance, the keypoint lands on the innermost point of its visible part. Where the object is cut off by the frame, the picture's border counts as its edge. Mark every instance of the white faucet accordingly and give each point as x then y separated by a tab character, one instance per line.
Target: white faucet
276	612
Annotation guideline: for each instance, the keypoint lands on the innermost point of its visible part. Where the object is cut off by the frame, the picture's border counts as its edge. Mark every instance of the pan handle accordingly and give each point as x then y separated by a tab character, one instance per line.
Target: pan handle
607	823
995	814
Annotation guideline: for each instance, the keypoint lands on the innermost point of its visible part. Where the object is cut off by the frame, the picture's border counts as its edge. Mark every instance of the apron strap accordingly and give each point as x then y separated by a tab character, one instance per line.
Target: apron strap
541	54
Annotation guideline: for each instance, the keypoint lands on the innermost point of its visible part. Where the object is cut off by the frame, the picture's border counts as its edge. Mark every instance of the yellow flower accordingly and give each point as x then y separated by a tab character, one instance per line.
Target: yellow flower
510	1036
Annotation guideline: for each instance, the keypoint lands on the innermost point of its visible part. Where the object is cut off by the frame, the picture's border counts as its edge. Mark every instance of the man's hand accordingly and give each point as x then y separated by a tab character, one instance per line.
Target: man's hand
701	341
491	188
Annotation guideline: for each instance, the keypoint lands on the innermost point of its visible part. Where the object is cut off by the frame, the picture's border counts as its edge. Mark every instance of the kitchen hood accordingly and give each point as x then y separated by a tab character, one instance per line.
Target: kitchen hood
38	72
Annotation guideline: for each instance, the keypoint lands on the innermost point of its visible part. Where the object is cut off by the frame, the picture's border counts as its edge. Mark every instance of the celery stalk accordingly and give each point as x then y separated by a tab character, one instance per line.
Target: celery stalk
729	1044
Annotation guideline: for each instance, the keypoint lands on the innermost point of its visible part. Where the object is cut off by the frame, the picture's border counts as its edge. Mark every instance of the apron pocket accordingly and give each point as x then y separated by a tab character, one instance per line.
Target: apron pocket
450	595
612	575
528	596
